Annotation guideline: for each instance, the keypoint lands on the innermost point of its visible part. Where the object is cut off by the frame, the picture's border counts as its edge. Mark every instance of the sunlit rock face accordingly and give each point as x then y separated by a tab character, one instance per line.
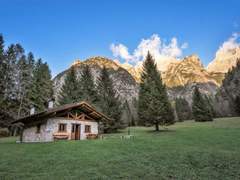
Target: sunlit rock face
187	71
133	70
224	60
180	72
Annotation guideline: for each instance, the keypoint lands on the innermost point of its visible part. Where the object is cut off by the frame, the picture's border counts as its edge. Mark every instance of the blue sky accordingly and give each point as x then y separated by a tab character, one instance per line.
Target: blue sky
61	31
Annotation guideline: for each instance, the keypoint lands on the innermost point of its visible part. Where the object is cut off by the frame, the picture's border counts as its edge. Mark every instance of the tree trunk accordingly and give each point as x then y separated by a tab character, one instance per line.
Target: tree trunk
156	126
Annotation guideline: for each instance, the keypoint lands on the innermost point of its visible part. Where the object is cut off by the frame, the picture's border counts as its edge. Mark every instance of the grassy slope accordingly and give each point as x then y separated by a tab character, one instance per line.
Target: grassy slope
188	150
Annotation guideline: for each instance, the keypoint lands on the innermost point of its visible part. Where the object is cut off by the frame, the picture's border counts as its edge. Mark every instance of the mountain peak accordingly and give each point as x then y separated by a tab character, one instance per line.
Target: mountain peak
224	60
194	58
76	62
97	60
187	71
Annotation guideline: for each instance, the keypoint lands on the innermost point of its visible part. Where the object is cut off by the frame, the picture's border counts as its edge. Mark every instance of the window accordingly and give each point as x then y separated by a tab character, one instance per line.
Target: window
62	127
87	128
38	128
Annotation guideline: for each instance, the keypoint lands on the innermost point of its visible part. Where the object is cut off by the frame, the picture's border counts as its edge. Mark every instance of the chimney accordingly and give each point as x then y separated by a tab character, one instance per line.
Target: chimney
32	110
50	103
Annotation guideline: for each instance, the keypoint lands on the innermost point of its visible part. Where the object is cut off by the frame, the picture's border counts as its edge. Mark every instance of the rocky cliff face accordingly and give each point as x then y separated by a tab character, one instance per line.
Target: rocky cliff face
124	83
186	91
187	71
224	60
182	72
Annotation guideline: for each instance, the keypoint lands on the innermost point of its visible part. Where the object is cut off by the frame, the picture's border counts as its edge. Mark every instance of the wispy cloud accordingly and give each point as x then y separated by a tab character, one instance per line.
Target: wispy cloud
163	52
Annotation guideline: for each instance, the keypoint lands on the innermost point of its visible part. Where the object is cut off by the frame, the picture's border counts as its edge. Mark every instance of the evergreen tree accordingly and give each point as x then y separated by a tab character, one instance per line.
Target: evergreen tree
153	106
31	85
42	85
109	101
70	91
209	104
183	109
87	86
23	80
200	107
13	55
237	104
2	71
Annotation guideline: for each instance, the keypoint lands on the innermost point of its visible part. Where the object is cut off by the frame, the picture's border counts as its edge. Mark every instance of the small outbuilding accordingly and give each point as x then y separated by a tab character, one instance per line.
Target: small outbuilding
76	121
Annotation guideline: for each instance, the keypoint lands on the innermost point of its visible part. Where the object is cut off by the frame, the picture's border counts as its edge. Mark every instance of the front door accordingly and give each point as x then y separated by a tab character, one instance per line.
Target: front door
75	135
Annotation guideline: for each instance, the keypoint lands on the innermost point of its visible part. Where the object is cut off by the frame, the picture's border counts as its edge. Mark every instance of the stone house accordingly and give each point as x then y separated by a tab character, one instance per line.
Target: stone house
76	121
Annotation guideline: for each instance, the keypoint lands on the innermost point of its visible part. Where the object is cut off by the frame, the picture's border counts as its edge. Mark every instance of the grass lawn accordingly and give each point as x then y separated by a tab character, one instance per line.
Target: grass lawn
188	150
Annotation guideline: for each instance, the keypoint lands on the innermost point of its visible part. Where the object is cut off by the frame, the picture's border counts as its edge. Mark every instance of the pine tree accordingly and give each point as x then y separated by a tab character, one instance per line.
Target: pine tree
109	101
2	71
87	86
183	109
153	107
70	91
23	80
13	55
209	104
200	108
30	86
42	86
237	104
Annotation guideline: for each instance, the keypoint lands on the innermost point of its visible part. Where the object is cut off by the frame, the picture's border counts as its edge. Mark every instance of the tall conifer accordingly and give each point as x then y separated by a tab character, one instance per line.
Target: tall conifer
109	100
153	106
87	86
2	70
200	108
70	91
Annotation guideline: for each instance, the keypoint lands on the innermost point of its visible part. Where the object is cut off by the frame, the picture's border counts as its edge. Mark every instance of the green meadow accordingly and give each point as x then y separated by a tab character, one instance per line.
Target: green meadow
187	150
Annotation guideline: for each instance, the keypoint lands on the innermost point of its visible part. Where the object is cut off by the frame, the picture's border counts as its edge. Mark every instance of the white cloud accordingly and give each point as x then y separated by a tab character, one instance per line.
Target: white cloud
120	51
164	53
231	43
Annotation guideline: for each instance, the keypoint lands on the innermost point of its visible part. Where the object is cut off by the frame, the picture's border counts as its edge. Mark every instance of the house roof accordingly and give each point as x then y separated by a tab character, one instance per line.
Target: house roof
54	112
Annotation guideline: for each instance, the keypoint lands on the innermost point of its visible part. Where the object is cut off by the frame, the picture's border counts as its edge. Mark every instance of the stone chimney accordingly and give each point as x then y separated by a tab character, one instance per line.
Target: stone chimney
50	103
32	110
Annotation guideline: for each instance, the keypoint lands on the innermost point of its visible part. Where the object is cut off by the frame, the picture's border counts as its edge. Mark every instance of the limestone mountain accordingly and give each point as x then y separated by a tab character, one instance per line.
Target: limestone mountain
187	71
180	73
124	83
134	71
224	60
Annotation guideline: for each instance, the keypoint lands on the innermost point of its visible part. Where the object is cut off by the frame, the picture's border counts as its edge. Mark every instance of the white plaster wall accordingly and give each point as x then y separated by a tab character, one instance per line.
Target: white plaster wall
47	130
